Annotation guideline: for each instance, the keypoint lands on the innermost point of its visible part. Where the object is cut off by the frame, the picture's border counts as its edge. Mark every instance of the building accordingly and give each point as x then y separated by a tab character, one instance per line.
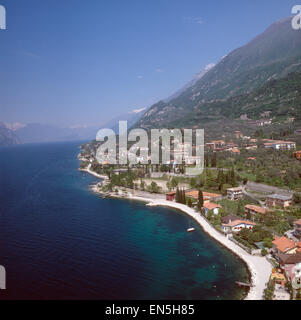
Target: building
283	245
297	155
279	144
171	196
277	200
234	193
278	277
250	147
207	196
229	218
238	135
210	206
251	211
237	225
290	263
235	150
297	229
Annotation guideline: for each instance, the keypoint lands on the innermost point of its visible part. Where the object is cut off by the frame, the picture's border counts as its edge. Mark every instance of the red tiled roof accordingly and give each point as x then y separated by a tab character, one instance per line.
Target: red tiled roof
256	208
284	244
206	195
211	205
298	221
237	222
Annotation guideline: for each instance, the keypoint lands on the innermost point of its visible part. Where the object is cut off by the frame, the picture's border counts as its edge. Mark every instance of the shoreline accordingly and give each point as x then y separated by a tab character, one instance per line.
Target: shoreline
259	268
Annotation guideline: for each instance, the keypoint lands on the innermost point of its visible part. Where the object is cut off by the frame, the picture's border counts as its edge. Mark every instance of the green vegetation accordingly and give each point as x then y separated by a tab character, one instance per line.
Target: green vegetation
269	290
276	168
250	237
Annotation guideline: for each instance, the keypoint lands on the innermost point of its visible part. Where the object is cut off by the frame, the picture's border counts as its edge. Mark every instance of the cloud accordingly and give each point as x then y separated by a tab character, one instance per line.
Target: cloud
31	55
197	20
138	110
158	70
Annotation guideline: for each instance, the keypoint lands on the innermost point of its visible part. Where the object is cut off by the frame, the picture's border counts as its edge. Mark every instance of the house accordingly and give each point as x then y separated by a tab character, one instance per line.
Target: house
170	196
215	144
297	155
229	218
251	211
276	200
297	229
290	264
234	193
278	277
284	245
235	150
237	225
238	135
263	122
207	196
279	144
210	206
251	147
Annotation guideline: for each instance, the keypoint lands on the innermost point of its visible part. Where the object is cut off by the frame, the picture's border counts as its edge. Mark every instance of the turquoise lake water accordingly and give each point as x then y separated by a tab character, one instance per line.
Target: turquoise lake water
58	240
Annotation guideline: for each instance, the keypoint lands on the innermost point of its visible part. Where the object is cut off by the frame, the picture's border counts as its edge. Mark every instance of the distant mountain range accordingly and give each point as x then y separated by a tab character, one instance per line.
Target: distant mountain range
272	55
39	133
7	136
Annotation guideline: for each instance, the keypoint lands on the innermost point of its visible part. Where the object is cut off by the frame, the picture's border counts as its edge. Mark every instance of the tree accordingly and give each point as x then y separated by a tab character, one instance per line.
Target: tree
213	160
178	196
297	198
189	203
240	208
192	183
200	199
206	160
174	183
264	252
142	185
267	242
183	197
168	185
154	188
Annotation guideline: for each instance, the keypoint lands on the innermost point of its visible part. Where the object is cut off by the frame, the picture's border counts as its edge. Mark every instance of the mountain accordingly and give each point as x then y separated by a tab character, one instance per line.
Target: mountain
272	55
131	117
280	99
39	133
7	136
191	83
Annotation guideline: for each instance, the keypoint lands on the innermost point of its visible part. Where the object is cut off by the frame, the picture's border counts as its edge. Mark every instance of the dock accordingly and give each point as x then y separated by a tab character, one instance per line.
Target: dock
243	284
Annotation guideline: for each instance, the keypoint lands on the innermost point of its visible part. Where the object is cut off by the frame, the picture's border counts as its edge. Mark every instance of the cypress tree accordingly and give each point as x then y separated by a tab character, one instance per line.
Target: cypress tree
177	195
184	197
200	199
213	160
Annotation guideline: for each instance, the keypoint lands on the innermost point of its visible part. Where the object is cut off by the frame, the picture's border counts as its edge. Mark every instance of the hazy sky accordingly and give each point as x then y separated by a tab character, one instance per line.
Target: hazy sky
73	62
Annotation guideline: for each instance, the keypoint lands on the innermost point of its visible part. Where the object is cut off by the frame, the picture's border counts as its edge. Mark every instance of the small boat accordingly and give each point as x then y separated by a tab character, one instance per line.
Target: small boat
190	229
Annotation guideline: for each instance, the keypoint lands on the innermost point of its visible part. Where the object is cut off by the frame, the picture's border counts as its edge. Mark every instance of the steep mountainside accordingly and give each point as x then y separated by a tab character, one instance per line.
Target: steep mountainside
272	55
7	136
280	98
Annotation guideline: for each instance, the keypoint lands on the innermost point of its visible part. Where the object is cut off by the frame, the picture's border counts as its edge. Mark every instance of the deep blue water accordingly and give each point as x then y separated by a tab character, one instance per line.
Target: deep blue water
58	240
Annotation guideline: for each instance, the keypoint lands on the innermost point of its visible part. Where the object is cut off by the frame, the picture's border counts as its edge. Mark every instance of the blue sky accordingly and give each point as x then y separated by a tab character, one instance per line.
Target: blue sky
75	62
